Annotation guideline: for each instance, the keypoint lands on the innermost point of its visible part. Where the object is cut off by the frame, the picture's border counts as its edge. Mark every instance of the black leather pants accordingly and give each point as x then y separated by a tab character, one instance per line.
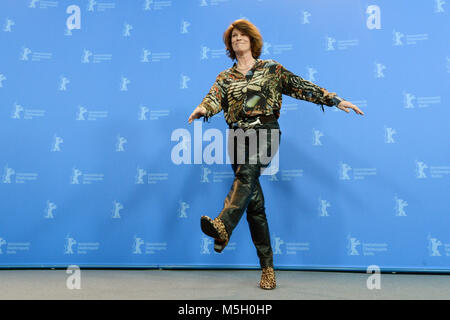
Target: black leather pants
246	192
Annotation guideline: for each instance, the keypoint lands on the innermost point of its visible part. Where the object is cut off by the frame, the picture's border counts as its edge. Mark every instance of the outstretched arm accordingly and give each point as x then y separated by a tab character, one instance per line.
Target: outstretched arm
302	89
212	103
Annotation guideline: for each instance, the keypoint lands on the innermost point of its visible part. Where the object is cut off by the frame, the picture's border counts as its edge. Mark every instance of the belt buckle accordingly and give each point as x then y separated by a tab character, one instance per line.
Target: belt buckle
246	125
254	123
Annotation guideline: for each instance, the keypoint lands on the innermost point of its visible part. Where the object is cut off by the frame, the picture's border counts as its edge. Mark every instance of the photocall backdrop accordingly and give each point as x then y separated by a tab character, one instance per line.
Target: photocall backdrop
93	92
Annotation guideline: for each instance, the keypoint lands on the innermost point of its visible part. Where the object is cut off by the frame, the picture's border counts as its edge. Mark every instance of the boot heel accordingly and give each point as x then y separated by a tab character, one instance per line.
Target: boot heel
219	245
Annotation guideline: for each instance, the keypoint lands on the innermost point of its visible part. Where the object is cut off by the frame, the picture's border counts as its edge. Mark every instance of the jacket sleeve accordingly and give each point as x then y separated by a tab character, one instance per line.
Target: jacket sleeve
299	88
213	100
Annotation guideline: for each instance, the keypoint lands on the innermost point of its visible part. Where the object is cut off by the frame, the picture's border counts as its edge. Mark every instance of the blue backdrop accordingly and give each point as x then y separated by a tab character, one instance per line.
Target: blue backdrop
92	94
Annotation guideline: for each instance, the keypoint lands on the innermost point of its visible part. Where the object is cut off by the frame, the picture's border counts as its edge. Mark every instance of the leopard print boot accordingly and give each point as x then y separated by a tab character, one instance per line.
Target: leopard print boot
268	279
215	229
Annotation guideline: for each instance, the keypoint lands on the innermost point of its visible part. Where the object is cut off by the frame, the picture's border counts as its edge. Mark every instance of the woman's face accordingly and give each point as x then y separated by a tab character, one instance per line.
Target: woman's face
240	42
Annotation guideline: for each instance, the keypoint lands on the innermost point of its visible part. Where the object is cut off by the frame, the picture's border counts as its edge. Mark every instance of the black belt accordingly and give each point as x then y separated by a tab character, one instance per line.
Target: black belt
264	119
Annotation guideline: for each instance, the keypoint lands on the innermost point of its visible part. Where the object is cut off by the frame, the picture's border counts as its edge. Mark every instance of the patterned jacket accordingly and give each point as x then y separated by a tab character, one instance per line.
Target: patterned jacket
260	92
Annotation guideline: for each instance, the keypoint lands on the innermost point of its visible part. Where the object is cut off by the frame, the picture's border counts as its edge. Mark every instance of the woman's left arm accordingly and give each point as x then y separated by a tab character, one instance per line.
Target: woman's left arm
302	89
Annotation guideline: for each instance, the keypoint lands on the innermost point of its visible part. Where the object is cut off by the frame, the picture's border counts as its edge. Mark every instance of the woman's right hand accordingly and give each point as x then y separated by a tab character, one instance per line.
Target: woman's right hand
197	113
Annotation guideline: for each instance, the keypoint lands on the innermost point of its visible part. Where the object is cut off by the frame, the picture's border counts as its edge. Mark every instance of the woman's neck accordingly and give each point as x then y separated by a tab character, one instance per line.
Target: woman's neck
245	58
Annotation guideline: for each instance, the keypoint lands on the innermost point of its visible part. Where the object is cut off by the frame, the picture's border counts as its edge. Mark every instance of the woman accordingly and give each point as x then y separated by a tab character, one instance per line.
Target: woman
250	93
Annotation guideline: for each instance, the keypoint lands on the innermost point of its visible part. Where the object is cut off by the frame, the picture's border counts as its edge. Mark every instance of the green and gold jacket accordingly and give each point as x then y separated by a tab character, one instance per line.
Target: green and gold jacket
260	91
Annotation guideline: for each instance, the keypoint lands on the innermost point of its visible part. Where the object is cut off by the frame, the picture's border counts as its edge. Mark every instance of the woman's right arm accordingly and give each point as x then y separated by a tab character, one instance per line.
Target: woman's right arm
212	103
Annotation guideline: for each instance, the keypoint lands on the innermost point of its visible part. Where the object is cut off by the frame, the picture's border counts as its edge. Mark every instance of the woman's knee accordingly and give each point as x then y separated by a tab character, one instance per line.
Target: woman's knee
247	173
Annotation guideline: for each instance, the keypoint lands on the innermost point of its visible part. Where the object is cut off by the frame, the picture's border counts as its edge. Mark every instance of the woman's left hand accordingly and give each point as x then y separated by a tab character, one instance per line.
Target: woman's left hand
346	105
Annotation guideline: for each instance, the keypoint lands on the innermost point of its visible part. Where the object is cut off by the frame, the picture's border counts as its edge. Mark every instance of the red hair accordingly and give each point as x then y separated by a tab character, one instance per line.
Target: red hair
248	29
